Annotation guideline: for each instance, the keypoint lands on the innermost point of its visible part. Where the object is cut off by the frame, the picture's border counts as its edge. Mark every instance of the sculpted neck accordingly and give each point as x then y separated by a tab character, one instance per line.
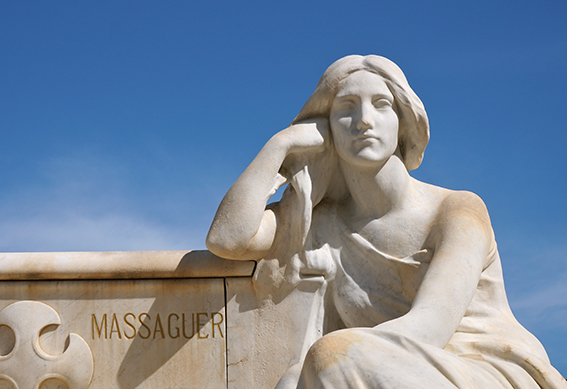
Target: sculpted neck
377	191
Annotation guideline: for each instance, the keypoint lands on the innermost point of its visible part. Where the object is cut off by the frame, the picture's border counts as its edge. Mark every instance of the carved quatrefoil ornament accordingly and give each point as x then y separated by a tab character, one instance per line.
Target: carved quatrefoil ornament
27	366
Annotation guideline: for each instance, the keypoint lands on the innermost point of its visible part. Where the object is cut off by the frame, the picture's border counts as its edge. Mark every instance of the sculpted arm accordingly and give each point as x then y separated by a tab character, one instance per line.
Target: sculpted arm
461	237
243	228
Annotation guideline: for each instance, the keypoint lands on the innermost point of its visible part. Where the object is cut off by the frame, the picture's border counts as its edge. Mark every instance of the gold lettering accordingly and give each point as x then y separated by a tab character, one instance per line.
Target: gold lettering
117	330
144	325
213	324
199	324
156	330
175	329
169	325
131	325
94	324
193	321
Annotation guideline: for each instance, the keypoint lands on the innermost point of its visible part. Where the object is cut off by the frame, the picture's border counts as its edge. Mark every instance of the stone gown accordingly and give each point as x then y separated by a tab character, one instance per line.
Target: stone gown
489	349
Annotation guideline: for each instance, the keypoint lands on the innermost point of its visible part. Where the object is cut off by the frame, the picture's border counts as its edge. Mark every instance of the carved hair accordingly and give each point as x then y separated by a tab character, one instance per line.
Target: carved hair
414	125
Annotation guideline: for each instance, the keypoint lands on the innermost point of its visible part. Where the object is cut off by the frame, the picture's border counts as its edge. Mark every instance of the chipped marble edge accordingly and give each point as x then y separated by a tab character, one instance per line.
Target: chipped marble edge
120	265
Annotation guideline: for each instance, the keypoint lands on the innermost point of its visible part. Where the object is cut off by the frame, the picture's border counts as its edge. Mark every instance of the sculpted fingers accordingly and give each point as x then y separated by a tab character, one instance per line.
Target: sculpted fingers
306	136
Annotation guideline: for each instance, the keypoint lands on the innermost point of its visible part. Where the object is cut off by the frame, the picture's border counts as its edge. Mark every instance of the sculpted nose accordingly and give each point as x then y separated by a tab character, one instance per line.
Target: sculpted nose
365	121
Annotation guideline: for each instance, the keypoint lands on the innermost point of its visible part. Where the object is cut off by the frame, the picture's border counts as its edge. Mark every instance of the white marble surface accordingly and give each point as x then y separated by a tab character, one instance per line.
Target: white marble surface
23	322
411	270
132	328
119	264
266	339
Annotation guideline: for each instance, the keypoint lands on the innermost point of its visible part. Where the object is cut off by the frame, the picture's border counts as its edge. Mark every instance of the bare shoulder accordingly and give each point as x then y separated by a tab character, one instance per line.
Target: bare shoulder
462	217
455	212
452	202
464	204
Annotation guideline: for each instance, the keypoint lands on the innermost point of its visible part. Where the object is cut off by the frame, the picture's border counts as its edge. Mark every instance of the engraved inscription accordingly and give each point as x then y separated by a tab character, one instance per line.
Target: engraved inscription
159	326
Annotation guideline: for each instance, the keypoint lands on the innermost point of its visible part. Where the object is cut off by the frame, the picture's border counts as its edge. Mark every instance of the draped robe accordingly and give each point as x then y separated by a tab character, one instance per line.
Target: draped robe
489	349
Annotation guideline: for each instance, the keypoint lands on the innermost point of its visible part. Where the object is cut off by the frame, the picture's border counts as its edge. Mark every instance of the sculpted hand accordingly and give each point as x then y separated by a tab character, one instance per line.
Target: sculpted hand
243	228
307	136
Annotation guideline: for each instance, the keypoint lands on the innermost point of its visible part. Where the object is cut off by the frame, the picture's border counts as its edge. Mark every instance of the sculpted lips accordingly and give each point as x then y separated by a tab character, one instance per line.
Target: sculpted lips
362	138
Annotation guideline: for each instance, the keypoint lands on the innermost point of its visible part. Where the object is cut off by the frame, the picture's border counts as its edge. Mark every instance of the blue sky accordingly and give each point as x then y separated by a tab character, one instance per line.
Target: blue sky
122	124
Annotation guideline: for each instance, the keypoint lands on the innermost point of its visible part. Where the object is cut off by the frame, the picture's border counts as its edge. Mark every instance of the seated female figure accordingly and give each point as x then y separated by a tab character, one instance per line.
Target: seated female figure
412	270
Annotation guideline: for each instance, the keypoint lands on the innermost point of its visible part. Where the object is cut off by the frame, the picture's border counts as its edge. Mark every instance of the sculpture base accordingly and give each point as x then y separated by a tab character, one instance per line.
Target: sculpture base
146	319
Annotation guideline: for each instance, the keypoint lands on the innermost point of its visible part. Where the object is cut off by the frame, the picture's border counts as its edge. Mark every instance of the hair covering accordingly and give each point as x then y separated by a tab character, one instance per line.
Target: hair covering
414	125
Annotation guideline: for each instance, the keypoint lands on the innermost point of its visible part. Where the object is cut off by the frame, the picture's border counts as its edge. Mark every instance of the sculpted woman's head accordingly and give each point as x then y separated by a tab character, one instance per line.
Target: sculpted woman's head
413	132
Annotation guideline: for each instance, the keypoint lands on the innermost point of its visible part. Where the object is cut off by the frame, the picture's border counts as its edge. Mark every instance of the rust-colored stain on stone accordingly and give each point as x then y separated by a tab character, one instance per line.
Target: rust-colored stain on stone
330	349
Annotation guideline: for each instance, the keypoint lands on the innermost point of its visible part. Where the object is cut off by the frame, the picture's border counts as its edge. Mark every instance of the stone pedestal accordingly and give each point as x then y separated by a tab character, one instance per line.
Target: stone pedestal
142	320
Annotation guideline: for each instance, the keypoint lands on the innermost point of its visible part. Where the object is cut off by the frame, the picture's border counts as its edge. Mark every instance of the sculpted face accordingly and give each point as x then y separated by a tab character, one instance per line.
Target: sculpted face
363	122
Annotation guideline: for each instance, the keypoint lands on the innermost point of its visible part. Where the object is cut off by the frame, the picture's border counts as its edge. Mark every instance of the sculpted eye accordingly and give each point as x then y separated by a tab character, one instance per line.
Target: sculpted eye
346	105
382	103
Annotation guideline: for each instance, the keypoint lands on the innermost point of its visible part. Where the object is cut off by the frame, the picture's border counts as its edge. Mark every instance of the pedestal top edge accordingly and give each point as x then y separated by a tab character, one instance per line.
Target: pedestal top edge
120	265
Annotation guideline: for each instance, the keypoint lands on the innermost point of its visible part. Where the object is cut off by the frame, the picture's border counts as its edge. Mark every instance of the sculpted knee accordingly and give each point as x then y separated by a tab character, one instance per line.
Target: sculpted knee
330	350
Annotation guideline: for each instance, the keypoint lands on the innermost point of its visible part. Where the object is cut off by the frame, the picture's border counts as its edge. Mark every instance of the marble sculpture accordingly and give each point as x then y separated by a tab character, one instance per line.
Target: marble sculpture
413	294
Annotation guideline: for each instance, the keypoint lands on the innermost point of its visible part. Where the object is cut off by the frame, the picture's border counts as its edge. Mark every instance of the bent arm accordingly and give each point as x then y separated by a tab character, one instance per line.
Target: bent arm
243	228
461	237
